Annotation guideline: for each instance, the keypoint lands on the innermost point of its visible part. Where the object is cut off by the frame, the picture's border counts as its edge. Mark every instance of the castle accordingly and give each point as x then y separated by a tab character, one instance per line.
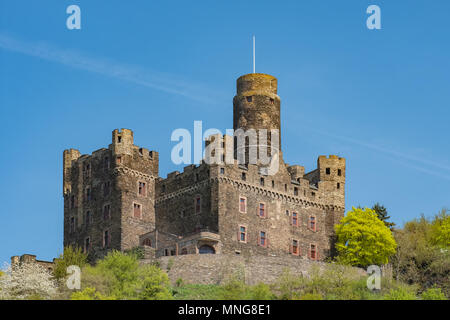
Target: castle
115	198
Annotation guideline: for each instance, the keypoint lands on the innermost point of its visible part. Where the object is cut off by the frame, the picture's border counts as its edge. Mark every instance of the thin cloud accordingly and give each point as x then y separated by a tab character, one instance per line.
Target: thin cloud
411	161
164	82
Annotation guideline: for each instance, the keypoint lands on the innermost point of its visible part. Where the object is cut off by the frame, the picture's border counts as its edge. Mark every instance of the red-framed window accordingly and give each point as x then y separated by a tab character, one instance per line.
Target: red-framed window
242	234
295	219
142	189
312	223
198	204
242	204
262	210
137	210
295	248
313	255
262	239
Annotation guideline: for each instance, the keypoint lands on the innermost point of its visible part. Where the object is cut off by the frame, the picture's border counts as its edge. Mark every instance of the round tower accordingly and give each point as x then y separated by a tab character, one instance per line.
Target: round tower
257	105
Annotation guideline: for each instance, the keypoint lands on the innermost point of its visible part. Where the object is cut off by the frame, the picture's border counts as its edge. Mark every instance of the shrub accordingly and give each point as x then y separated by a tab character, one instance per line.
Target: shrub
89	294
71	256
433	294
120	276
401	293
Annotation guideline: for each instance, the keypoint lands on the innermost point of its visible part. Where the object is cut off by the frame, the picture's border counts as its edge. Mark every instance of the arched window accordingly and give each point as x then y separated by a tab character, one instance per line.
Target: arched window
147	242
205	249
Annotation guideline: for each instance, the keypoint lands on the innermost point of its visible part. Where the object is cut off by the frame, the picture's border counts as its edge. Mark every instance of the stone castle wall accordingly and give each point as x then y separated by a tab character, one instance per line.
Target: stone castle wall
217	269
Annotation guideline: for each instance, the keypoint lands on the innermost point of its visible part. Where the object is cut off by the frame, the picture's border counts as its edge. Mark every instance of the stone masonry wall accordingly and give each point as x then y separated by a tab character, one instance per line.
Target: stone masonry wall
217	269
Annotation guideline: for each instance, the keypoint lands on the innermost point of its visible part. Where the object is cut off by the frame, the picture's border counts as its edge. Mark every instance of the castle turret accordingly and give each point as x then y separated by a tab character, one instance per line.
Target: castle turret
69	156
122	142
332	177
257	106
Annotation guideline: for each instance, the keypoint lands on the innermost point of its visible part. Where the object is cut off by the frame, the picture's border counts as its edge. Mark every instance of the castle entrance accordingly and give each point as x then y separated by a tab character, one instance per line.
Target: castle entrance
206	249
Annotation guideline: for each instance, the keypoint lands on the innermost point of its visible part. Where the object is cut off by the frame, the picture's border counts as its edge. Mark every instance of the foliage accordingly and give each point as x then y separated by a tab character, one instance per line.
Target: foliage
89	293
71	256
440	230
401	293
179	282
120	275
138	252
382	214
433	294
27	280
311	296
198	292
363	239
423	257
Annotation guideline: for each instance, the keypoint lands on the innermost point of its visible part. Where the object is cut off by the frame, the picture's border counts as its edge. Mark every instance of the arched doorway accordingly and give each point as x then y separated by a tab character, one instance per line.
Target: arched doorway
206	249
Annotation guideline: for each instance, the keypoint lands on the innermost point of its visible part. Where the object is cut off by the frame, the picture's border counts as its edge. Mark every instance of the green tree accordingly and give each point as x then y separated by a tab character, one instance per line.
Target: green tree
363	239
433	294
440	229
382	214
422	257
71	256
120	275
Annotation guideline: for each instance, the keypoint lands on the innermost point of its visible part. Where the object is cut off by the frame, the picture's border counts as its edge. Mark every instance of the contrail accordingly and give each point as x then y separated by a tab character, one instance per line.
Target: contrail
394	153
168	83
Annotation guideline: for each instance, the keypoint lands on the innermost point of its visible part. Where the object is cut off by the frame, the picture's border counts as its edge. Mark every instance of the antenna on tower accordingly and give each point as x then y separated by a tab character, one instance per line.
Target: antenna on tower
254	56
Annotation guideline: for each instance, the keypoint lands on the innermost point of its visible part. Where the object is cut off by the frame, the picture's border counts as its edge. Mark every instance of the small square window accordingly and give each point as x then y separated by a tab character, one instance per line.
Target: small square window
328	170
142	191
249	98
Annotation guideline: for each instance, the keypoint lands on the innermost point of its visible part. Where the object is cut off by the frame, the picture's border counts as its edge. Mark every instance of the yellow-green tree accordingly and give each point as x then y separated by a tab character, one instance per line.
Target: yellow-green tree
363	239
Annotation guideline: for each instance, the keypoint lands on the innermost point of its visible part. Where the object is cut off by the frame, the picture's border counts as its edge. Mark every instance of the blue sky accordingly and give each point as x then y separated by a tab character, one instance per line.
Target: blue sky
379	98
